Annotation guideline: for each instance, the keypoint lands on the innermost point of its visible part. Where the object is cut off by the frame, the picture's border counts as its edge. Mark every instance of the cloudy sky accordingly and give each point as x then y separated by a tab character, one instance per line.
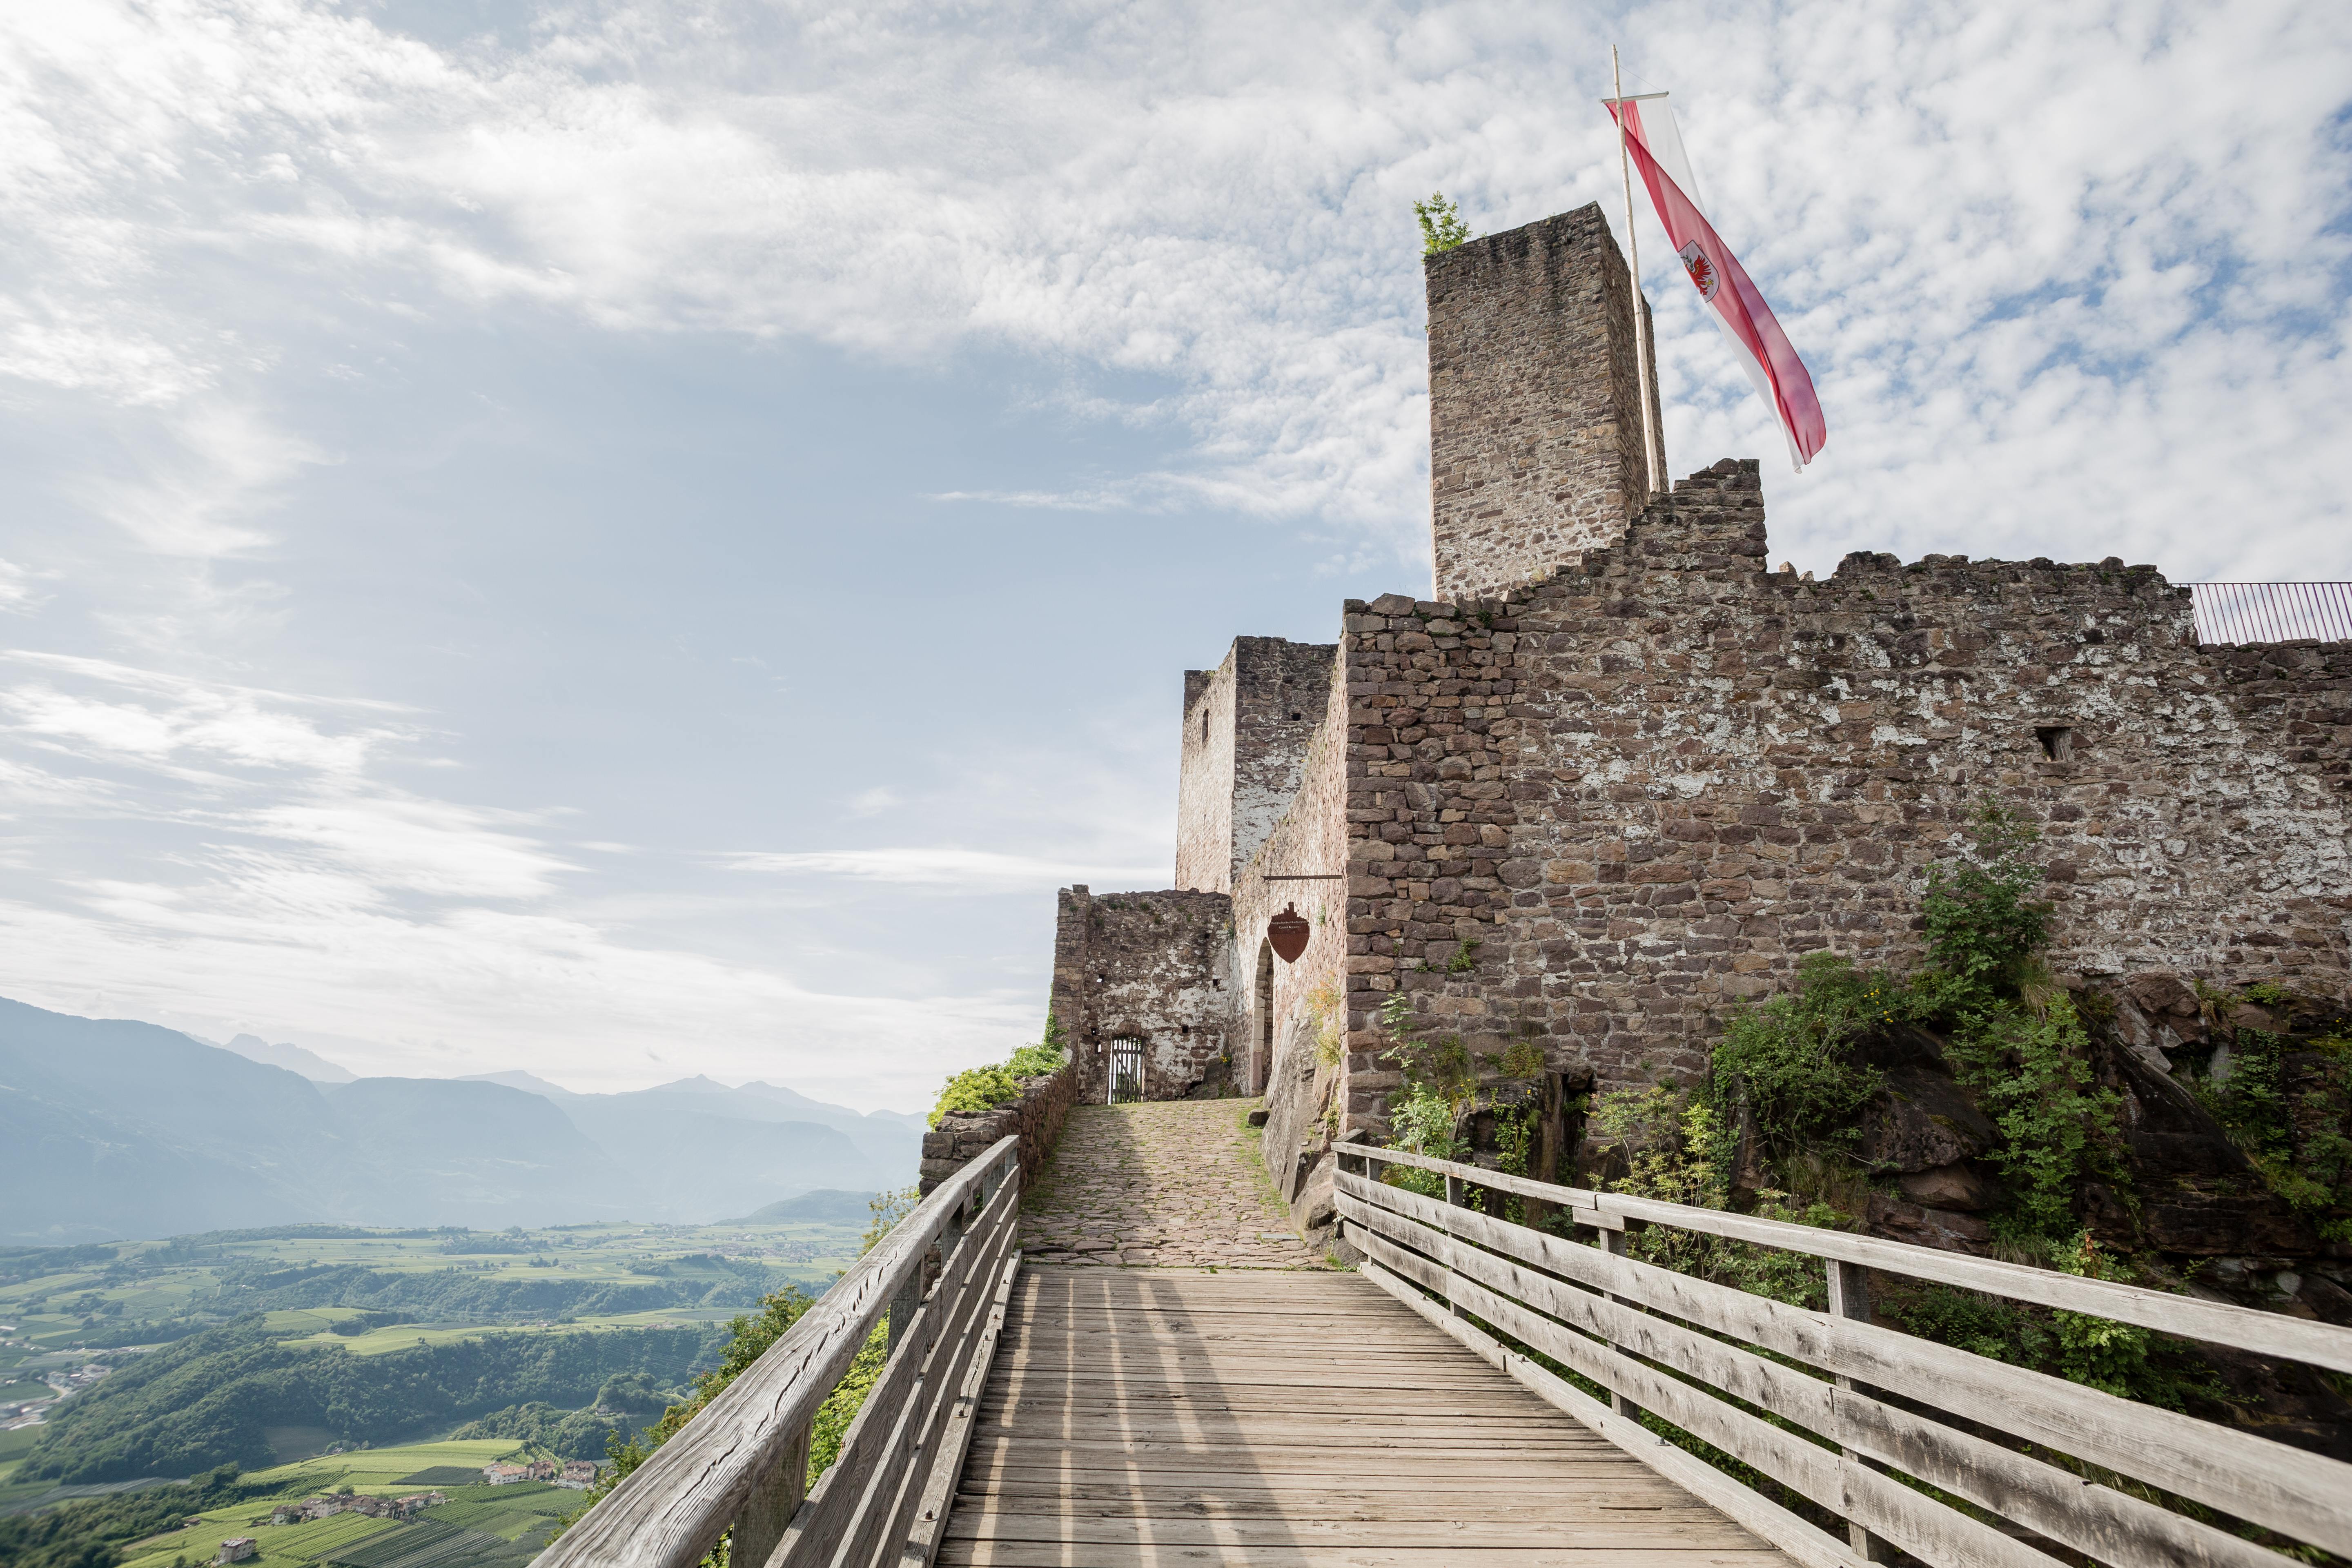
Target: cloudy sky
631	539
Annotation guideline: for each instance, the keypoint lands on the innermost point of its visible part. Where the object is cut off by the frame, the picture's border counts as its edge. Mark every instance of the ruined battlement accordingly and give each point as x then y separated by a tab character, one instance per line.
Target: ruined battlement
1650	784
1247	727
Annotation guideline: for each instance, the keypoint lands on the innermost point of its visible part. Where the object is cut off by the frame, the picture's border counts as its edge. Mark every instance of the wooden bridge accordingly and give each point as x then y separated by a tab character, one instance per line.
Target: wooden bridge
1475	1394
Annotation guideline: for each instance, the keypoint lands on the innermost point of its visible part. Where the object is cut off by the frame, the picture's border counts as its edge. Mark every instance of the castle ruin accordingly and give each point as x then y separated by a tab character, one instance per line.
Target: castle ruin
1615	775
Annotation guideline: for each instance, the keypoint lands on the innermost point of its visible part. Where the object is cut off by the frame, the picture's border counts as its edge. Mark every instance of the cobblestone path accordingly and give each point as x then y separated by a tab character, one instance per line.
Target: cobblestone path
1165	1182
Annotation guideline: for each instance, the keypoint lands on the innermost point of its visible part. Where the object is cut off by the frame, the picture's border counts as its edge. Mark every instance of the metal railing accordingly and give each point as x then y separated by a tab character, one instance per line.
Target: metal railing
1838	1409
741	1466
2272	611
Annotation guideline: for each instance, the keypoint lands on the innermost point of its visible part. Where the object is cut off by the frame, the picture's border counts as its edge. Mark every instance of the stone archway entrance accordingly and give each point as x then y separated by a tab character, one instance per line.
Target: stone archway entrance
1261	1054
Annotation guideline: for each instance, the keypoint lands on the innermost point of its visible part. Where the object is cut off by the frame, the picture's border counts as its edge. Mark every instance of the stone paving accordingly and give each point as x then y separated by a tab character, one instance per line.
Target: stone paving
1168	1183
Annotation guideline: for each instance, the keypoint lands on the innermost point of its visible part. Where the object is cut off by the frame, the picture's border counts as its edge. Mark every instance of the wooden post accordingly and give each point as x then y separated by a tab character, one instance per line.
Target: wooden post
1613	1242
1850	1298
1543	1164
1457	1195
771	1505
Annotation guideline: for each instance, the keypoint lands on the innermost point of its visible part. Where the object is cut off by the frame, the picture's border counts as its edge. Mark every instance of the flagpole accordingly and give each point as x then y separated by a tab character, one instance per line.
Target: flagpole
1650	466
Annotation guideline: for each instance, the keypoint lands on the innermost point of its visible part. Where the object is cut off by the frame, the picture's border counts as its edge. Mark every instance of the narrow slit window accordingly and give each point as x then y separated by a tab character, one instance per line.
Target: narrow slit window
2057	742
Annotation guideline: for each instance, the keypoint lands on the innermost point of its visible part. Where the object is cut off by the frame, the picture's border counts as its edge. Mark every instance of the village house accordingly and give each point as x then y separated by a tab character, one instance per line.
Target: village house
237	1549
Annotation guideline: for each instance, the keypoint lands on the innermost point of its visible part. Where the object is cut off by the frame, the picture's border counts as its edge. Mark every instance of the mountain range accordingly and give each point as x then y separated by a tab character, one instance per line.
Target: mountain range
111	1129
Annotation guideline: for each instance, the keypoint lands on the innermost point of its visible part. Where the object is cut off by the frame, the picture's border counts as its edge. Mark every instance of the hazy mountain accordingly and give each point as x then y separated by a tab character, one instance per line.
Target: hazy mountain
111	1129
825	1203
888	1143
116	1128
293	1058
692	1156
480	1155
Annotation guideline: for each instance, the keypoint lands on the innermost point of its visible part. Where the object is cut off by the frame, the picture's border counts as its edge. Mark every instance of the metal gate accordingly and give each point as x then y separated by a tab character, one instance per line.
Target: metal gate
1125	1072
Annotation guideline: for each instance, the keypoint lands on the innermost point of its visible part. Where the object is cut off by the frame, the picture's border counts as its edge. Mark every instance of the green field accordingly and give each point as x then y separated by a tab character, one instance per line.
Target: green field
133	1293
505	1525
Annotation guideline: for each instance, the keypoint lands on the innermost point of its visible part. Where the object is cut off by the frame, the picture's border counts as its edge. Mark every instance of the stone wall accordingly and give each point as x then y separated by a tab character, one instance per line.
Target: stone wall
1648	785
963	1136
2300	692
1204	781
1277	1010
1535	412
1151	967
1248	724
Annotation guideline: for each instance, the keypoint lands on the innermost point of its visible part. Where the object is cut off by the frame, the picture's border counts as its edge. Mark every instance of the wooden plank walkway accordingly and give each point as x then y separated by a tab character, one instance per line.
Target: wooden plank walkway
1294	1419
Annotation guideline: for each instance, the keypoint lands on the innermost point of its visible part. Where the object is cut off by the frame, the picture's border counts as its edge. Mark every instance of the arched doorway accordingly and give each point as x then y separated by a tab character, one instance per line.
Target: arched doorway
1261	1059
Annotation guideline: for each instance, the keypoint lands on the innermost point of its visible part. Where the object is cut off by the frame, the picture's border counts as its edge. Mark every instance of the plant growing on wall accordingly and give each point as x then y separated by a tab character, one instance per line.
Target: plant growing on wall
1326	1008
986	1088
1442	227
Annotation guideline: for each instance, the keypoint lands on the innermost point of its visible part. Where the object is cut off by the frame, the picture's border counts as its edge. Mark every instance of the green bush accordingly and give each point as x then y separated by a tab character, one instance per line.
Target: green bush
986	1088
1789	1062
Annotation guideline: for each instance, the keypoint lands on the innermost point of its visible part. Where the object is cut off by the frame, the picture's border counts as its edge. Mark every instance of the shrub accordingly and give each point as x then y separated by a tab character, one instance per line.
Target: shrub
1789	1062
986	1088
1442	227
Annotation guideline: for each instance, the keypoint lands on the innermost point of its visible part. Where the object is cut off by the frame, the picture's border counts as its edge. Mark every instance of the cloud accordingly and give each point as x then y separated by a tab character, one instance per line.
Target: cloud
953	870
219	851
2052	266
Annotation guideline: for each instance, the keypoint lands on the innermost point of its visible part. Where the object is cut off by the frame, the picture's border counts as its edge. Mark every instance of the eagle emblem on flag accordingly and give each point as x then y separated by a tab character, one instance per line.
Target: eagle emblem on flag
1702	271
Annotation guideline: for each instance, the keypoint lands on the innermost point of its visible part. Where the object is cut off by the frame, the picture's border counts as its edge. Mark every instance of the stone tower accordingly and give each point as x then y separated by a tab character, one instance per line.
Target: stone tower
1247	727
1535	421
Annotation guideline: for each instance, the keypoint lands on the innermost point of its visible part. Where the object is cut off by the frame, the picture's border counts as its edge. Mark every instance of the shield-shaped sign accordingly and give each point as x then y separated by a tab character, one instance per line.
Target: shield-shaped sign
1289	933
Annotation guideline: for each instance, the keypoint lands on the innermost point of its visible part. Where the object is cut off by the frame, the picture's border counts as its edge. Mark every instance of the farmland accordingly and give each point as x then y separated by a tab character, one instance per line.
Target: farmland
457	1312
479	1527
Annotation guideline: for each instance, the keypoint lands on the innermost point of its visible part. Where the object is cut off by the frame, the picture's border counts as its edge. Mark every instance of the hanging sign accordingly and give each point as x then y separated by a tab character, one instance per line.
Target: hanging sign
1289	933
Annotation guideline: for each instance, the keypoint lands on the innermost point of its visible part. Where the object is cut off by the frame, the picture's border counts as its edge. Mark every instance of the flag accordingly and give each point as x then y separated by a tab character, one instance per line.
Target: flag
1762	348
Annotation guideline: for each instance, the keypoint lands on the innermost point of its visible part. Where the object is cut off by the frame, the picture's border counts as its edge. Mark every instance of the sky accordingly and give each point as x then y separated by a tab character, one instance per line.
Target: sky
629	540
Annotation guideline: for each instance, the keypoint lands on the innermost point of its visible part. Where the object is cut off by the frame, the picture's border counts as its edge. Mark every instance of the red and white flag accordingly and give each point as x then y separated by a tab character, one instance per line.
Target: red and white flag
1763	349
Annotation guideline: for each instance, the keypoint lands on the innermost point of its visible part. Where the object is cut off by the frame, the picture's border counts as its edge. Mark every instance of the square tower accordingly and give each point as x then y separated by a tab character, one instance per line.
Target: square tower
1247	727
1535	407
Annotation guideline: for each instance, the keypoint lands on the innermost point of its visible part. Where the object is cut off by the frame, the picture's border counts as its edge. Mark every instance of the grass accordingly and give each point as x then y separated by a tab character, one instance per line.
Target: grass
510	1514
379	1471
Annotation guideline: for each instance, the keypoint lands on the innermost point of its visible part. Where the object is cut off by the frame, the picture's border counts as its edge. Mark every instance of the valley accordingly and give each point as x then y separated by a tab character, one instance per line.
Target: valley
289	1344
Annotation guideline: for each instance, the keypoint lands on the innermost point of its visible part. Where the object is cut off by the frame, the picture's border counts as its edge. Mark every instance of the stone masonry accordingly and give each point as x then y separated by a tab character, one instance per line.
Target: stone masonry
1617	777
1535	409
1248	724
1650	785
1159	1186
1151	967
962	1136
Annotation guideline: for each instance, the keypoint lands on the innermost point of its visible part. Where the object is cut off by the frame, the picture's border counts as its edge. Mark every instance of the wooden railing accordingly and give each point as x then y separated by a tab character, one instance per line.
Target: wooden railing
1859	1407
741	1465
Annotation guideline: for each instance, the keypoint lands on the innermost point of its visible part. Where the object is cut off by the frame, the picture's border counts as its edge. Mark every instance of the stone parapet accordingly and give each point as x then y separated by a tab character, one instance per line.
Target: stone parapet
1601	811
963	1136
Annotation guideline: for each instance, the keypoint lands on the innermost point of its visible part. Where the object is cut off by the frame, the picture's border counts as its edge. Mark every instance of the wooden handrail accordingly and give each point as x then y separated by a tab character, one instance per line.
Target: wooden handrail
1844	1401
2216	1322
747	1444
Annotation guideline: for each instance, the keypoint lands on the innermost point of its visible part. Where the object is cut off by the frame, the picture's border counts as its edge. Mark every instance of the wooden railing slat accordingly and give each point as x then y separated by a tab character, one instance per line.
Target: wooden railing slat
2290	1490
672	1509
1798	1537
2242	1475
2217	1322
815	1535
954	1440
2111	1525
942	1382
896	1474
